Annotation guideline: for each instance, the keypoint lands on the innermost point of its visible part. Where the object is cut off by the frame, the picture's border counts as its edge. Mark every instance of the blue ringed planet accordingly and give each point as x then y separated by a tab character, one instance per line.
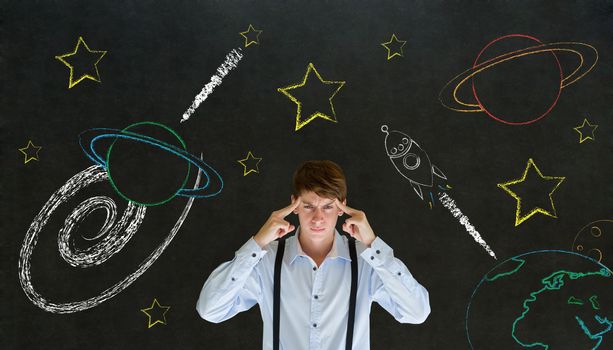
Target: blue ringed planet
88	139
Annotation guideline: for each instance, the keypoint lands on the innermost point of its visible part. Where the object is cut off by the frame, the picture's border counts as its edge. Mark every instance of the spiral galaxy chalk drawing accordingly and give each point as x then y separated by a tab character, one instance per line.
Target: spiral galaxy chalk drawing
113	235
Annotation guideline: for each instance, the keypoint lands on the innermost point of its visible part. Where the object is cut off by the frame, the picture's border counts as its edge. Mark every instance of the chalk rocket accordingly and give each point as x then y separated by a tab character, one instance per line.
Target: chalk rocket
411	161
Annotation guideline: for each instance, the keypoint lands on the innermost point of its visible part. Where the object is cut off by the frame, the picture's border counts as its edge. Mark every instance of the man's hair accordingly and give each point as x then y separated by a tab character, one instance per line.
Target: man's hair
324	177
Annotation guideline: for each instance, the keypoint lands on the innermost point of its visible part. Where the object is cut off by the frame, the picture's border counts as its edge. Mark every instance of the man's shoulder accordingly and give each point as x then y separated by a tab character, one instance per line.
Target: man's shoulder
273	246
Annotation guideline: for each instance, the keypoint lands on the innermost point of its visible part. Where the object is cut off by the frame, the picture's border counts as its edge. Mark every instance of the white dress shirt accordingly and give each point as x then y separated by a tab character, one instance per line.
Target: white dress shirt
314	300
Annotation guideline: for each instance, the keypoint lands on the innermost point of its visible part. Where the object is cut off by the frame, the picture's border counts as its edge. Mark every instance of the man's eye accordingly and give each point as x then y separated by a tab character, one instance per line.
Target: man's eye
308	207
328	207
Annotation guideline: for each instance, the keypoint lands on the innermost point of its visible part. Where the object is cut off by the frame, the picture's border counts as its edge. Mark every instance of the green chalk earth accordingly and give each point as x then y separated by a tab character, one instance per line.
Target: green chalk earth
544	300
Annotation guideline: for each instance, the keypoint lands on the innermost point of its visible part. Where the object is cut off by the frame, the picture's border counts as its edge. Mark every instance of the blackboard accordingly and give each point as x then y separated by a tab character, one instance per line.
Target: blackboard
534	131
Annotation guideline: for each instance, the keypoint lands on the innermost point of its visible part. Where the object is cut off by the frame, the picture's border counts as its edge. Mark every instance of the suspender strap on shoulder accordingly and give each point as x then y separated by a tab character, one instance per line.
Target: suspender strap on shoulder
277	294
354	290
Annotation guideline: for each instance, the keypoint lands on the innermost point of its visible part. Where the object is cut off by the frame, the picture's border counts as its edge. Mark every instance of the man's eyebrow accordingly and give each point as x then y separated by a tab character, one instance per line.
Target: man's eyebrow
309	203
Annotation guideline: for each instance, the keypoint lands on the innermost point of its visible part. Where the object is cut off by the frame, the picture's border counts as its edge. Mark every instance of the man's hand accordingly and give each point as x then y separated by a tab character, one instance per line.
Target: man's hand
357	225
276	227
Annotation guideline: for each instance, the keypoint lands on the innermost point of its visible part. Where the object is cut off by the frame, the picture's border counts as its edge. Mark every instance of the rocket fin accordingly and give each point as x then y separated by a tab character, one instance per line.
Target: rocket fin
436	171
417	190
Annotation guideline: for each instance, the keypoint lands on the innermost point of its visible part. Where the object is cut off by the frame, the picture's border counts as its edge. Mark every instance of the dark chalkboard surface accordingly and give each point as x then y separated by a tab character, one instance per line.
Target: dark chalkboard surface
108	233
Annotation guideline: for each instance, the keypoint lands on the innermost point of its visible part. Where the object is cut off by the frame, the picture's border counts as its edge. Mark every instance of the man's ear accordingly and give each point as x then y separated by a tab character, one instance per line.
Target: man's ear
293	198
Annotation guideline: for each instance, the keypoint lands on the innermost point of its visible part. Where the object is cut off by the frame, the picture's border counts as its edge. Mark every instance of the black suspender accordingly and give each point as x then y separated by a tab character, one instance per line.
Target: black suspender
354	290
277	293
276	308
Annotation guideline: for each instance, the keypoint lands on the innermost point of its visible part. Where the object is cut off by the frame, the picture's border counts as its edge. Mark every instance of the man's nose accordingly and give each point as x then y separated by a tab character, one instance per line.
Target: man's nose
318	215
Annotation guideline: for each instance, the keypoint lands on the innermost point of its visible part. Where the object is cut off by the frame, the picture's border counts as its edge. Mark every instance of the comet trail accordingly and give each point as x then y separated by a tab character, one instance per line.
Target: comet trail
230	63
449	203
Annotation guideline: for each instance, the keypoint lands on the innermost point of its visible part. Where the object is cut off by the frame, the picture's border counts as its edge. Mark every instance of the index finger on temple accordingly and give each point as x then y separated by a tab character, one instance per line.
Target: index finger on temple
287	210
343	207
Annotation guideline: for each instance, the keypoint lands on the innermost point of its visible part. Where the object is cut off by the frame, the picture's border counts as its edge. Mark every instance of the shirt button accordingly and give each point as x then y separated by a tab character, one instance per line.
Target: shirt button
316	297
314	325
314	268
233	279
372	258
378	251
254	255
399	273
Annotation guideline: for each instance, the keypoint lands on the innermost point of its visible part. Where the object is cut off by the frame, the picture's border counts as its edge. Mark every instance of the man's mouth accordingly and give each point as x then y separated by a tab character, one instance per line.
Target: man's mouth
315	229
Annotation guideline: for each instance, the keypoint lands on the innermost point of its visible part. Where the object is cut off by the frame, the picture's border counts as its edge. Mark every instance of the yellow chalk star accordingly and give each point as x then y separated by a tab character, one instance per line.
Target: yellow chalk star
554	182
334	86
250	162
582	131
251	35
158	311
30	152
79	59
394	47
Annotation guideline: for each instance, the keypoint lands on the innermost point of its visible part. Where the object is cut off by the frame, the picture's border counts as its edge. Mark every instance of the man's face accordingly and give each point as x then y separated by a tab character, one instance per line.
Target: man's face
317	215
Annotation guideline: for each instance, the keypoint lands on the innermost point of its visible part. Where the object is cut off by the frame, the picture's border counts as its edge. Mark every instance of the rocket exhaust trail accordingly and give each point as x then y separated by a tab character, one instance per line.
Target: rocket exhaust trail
449	203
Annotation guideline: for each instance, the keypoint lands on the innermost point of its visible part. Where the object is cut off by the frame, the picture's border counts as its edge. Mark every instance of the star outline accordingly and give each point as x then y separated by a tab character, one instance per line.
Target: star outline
300	123
592	127
249	30
25	150
393	39
71	81
243	163
153	304
518	217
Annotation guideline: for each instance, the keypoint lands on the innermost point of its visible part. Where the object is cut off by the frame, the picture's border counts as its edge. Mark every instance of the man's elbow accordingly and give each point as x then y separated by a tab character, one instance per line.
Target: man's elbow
423	315
419	313
207	311
416	316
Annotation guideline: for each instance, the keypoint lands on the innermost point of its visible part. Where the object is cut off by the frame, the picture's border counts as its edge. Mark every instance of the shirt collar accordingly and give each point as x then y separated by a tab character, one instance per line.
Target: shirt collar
340	248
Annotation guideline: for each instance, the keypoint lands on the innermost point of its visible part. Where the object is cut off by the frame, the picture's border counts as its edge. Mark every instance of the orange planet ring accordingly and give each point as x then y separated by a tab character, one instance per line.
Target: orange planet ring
559	46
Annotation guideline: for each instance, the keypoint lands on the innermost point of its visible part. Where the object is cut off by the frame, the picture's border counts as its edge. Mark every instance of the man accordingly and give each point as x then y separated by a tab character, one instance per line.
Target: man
319	304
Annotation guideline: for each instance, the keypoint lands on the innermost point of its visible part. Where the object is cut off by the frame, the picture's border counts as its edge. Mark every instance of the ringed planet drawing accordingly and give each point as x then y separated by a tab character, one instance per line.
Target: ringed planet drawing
587	57
88	139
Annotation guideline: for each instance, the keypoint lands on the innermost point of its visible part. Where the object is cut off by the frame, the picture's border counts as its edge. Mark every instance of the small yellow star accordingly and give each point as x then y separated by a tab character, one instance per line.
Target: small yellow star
251	163
30	152
251	35
581	130
300	122
394	47
80	56
158	310
555	180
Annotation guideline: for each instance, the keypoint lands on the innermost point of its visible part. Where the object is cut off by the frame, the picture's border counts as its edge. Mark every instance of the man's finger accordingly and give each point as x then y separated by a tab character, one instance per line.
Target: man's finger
349	229
344	208
288	210
352	221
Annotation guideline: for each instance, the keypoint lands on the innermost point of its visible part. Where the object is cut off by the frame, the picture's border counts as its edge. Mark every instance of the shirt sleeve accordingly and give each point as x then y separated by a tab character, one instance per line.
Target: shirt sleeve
232	287
392	285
